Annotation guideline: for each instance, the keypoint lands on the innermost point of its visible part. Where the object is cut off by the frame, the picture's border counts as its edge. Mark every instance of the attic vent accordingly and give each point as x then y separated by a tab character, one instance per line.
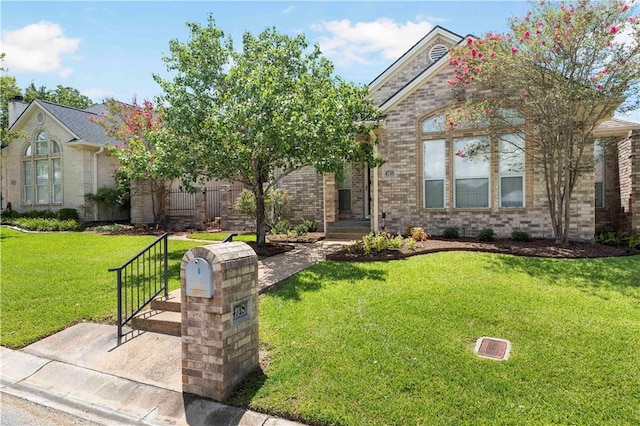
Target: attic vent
40	117
438	51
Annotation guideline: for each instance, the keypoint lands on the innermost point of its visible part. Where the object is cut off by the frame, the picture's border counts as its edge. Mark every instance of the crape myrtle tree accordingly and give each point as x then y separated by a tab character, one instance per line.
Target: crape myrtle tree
271	107
565	67
147	153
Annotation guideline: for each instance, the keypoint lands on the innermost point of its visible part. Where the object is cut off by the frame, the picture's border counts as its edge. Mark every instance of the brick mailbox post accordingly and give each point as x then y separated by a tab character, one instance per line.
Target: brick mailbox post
219	285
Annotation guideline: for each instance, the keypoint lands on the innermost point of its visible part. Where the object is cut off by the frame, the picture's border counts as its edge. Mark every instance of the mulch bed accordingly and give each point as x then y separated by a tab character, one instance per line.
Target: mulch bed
309	237
533	248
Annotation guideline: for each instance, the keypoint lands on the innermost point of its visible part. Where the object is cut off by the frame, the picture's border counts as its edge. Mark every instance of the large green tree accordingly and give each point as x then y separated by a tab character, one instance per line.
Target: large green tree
63	95
273	106
566	67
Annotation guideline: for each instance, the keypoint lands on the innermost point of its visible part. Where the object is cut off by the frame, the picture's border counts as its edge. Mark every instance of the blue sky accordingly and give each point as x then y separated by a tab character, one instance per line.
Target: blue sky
111	48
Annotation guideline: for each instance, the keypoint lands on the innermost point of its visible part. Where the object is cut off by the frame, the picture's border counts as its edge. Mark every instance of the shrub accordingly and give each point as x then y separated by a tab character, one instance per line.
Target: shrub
411	243
300	230
310	225
520	236
40	224
68	214
281	227
396	242
276	205
451	232
486	234
418	234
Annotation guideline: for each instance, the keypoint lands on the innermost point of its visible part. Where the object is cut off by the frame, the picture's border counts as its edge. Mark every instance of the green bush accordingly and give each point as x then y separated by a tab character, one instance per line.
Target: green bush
276	206
486	234
451	232
68	214
310	225
281	227
520	236
300	230
40	224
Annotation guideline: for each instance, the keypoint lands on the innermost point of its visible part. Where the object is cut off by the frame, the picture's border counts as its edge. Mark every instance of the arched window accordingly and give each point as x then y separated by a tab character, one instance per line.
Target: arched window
42	171
457	165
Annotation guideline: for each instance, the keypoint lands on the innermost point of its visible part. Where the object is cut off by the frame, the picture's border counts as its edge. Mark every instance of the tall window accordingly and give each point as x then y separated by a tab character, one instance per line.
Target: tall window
598	156
471	172
433	157
511	148
344	189
42	171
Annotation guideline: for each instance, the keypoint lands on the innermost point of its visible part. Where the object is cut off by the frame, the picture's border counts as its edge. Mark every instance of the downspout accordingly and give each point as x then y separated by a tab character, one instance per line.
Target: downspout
95	178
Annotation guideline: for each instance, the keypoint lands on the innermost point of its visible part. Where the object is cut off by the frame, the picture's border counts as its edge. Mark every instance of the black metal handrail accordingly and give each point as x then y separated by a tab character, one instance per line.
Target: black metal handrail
141	279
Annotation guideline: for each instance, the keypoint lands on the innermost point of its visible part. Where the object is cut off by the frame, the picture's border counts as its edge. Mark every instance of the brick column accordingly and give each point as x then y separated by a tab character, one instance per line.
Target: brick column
219	334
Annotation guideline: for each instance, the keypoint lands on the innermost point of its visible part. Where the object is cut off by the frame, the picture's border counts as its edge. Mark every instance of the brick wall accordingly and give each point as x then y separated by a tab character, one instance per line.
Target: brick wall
401	186
305	193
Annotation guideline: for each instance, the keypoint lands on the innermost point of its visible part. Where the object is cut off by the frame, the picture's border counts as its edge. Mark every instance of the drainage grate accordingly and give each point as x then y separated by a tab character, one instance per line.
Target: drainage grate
493	348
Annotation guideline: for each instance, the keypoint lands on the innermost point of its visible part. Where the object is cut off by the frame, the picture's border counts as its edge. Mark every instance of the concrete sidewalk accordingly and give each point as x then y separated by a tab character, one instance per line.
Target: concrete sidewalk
82	370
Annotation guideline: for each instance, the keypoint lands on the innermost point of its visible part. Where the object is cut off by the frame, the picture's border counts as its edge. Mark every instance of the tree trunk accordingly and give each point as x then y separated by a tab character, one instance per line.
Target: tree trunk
258	192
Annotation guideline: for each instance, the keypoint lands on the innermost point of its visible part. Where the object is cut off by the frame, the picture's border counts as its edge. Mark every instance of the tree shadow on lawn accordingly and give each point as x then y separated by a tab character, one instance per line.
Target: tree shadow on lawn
619	274
323	274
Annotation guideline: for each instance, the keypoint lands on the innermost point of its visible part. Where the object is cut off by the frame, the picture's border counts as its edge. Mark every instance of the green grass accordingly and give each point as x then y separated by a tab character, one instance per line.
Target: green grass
392	343
53	280
220	236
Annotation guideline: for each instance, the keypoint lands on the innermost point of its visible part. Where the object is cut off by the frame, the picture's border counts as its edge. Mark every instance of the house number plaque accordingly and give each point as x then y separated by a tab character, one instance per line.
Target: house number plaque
240	311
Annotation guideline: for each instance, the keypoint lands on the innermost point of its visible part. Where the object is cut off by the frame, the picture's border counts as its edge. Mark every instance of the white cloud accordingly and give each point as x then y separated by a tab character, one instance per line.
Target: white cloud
289	9
37	48
364	42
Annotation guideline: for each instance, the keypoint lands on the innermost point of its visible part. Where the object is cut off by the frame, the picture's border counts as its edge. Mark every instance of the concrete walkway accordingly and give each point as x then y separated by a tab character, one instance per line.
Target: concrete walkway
82	370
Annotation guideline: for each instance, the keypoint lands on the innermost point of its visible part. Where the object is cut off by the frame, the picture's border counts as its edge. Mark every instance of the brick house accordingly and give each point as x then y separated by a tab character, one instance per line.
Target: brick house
423	183
61	158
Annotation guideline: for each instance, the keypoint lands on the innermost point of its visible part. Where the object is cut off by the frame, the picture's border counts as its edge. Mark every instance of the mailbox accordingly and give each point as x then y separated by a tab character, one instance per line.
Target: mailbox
199	278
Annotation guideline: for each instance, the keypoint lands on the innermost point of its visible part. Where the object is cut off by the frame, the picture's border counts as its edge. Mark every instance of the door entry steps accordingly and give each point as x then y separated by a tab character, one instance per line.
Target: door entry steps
347	230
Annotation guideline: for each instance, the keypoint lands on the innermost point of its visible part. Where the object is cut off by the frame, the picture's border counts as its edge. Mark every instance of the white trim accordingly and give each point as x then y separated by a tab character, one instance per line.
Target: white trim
410	55
414	84
27	112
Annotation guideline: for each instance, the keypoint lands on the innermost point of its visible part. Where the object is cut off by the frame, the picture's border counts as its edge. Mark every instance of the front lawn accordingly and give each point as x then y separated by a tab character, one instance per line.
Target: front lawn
392	342
53	280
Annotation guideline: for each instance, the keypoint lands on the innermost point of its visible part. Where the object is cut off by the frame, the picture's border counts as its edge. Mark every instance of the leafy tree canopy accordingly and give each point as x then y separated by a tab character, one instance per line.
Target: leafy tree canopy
273	106
62	95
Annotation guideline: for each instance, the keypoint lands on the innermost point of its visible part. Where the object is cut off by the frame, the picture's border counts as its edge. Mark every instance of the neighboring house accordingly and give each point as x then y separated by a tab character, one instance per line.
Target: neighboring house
60	159
423	183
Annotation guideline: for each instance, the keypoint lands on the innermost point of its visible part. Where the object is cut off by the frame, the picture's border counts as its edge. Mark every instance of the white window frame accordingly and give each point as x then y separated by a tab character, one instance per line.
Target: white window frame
599	169
44	154
430	176
511	145
487	177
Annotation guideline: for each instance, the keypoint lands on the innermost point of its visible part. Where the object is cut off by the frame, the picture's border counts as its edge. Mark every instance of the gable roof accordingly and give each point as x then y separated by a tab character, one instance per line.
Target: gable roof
74	120
410	54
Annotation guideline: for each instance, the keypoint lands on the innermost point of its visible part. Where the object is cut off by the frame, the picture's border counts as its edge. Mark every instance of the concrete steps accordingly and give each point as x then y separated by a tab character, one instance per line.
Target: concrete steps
163	317
165	322
347	230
